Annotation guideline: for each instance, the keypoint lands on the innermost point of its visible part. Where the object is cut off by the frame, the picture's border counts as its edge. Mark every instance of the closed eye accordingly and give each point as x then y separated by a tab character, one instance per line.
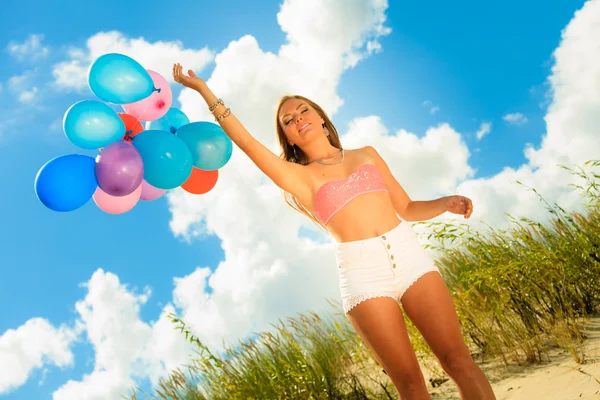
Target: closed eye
289	120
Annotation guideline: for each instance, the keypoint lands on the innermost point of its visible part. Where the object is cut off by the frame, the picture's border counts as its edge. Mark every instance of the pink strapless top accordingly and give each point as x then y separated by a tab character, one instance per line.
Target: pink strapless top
335	194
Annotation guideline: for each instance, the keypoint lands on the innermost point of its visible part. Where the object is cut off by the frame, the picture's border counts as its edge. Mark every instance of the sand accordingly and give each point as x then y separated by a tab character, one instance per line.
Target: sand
559	379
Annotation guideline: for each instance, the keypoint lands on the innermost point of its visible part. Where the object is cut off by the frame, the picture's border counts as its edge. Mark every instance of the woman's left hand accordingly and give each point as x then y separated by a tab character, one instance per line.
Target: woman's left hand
459	205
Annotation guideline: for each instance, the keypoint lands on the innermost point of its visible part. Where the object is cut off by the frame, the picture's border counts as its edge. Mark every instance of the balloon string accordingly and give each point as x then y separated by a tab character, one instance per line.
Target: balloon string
171	127
138	120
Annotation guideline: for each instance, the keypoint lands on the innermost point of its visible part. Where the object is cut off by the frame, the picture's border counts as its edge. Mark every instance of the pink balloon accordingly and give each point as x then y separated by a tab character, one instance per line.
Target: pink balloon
154	106
116	204
150	192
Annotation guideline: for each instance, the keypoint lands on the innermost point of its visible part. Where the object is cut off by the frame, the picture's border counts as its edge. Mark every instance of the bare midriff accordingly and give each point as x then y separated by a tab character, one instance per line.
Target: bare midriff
366	216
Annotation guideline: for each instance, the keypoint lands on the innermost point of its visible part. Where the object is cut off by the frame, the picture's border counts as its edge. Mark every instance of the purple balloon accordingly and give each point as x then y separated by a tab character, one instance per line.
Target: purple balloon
150	192
119	168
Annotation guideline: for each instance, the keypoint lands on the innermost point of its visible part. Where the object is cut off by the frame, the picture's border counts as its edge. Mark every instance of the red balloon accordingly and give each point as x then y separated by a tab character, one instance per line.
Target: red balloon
200	181
132	126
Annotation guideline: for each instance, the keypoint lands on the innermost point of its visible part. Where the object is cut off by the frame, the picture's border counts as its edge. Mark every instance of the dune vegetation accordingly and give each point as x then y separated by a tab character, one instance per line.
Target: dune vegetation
518	292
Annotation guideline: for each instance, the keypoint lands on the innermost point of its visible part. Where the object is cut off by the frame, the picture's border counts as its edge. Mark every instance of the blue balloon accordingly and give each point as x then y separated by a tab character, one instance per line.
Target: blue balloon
170	122
167	160
91	124
67	182
118	79
209	144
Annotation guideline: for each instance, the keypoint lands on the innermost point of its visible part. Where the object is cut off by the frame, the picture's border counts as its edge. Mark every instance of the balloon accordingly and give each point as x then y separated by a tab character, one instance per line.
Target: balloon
154	106
67	182
210	146
167	160
116	204
118	79
91	124
149	192
132	126
173	120
200	181
119	169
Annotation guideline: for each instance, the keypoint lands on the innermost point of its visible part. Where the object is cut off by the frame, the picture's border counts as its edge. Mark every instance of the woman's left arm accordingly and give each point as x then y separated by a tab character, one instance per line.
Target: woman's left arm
410	210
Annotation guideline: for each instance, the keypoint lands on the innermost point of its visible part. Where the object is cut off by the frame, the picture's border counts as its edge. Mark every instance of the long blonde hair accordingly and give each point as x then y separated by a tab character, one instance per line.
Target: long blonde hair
298	156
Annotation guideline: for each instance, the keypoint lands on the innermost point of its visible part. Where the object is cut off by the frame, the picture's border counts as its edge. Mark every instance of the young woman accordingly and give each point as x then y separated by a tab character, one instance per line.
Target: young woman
355	197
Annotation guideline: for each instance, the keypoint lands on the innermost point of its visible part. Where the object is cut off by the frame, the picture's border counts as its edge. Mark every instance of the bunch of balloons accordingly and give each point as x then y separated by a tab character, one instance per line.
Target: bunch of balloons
133	163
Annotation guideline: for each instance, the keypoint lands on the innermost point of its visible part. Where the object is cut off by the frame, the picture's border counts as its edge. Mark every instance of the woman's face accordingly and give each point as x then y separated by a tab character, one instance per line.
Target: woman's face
299	120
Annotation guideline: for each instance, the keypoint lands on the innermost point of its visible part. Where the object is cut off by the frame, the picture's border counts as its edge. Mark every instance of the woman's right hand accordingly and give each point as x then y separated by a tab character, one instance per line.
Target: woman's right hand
191	80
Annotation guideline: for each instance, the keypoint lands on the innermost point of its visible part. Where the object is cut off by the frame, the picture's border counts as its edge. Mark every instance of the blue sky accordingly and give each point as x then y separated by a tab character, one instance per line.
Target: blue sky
477	62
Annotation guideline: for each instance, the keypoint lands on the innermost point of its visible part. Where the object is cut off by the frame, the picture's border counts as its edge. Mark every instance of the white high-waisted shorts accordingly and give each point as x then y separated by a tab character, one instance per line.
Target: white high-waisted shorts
381	266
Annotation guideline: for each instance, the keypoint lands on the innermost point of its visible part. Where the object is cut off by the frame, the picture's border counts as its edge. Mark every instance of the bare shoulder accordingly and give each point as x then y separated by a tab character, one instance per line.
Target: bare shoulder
369	154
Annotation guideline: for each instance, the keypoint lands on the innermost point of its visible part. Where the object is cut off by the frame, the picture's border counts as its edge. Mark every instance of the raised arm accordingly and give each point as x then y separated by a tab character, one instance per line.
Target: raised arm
289	176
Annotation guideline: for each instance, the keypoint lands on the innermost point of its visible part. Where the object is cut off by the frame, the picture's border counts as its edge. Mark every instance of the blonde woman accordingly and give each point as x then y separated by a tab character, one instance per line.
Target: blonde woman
354	196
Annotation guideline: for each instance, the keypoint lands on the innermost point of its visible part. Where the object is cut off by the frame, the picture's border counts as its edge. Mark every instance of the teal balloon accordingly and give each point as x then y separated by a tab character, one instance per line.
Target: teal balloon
210	146
170	122
67	182
167	159
118	79
90	124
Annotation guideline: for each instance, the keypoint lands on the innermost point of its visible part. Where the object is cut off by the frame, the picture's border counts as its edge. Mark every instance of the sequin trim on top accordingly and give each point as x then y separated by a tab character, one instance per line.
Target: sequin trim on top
335	194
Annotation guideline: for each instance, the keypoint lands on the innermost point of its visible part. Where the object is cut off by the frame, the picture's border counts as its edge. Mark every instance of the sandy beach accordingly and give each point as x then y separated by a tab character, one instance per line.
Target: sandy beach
559	379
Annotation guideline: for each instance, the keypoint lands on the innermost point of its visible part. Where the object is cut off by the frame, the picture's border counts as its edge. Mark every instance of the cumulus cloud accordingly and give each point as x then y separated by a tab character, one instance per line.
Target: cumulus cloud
269	271
515	118
247	213
31	49
159	56
571	135
31	346
127	350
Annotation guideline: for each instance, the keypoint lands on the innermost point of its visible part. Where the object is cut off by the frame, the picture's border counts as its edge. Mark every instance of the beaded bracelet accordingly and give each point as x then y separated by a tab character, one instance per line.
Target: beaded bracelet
214	106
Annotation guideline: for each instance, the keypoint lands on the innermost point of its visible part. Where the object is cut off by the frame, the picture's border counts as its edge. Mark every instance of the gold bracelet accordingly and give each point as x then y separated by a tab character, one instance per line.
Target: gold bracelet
214	106
221	117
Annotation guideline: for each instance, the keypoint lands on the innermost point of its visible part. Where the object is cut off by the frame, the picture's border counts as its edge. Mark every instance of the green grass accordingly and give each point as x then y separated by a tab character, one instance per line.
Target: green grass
517	292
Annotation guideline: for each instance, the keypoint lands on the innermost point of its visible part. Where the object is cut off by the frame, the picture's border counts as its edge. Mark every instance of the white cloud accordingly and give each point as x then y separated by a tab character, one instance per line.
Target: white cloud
126	348
71	74
28	96
159	56
23	87
515	118
484	129
440	156
268	271
34	344
17	82
31	49
263	254
572	136
432	108
327	30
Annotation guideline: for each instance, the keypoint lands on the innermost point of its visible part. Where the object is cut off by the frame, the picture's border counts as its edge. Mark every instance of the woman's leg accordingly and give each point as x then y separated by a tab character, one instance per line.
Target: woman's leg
429	305
380	324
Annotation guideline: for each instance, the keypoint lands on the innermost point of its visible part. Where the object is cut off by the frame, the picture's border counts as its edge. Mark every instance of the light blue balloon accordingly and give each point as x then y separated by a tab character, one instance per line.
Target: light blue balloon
118	79
167	159
210	146
67	182
170	122
91	124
